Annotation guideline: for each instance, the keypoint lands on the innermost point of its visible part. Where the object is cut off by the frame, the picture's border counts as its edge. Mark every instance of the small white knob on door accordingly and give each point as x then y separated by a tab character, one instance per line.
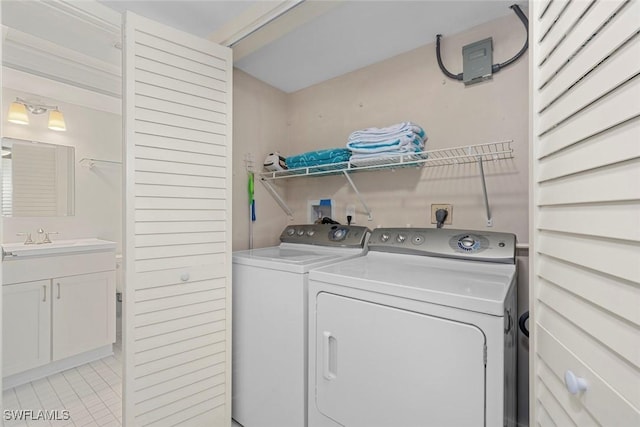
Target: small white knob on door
184	277
574	384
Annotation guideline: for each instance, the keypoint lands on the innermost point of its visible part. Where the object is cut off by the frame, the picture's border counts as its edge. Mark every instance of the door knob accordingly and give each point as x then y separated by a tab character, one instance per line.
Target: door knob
574	384
184	277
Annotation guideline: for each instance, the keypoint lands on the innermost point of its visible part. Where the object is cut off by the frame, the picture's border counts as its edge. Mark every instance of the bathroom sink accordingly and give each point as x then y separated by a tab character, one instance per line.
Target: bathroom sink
59	247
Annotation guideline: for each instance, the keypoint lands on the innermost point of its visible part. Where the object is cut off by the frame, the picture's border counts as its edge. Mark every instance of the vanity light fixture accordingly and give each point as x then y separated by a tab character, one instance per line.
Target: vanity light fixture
18	114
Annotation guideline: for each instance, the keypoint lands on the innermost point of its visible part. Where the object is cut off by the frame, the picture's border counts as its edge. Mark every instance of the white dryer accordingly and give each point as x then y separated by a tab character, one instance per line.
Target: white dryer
418	333
270	295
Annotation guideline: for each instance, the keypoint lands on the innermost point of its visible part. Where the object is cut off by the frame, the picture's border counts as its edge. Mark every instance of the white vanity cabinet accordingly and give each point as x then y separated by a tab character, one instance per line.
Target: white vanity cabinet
26	319
59	307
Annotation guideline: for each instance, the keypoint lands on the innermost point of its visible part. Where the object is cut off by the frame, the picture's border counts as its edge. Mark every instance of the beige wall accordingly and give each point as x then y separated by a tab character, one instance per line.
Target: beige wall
259	128
411	87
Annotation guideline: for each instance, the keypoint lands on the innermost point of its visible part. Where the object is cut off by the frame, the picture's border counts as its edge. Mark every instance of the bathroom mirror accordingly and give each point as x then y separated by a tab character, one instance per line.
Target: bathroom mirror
37	179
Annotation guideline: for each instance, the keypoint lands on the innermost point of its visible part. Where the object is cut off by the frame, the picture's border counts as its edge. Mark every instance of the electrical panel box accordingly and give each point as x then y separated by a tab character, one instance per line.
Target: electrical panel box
477	61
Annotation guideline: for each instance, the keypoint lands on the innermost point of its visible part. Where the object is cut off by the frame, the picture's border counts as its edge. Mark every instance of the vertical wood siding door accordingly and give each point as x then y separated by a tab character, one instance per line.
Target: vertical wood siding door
585	201
177	334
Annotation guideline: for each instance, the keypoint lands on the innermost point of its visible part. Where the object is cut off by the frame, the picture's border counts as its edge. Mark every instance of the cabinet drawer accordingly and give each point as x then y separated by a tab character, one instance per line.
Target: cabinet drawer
600	404
17	270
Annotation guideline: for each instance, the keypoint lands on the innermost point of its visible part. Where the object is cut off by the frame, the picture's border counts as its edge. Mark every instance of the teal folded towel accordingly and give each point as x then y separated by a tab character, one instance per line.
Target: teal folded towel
318	158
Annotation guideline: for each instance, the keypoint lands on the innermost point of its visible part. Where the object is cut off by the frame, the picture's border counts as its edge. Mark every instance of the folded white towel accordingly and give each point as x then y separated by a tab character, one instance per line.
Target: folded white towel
386	157
391	132
404	143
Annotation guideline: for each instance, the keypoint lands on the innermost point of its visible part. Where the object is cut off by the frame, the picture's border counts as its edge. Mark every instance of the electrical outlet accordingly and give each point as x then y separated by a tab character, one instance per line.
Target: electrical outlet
351	211
448	208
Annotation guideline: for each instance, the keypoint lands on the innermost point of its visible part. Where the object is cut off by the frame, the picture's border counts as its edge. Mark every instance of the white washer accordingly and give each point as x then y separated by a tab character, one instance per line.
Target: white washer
270	295
418	333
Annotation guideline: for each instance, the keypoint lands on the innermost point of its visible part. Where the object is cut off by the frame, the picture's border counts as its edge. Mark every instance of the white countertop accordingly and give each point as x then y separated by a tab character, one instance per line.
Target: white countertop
20	250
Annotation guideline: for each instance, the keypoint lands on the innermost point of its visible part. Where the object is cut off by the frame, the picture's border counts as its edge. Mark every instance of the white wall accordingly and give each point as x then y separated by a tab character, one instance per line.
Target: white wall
94	134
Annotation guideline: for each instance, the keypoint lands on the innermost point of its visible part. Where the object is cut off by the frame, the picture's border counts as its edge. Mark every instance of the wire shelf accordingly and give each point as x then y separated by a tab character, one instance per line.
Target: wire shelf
491	151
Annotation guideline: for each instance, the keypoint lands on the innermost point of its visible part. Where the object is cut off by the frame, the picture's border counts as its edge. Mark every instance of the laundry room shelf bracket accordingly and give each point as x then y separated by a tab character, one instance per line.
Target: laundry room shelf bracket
358	195
484	192
277	197
478	153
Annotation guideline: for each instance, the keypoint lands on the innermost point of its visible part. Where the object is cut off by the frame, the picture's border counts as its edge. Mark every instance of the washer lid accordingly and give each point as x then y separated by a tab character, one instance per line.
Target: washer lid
294	257
469	285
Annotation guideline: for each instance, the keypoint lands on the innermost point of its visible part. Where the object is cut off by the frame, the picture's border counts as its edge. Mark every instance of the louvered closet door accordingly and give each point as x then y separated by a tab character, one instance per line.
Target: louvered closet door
178	222
586	213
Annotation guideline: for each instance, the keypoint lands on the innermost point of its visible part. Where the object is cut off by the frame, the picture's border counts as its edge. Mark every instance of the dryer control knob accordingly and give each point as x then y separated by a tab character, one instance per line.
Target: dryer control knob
291	231
468	243
401	238
300	232
384	237
310	233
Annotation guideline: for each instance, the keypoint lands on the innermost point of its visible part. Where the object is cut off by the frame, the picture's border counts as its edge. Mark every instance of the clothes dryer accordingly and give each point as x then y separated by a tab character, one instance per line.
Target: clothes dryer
270	312
419	332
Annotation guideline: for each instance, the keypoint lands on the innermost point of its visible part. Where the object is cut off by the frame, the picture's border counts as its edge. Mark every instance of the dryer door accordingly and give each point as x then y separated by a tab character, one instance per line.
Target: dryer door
382	366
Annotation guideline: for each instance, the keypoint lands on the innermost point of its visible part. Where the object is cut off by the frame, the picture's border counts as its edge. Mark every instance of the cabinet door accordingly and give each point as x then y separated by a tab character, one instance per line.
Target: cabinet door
584	285
378	366
83	313
26	326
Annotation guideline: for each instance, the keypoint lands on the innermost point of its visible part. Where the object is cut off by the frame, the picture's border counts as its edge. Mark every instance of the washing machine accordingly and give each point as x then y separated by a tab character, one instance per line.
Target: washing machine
270	312
418	333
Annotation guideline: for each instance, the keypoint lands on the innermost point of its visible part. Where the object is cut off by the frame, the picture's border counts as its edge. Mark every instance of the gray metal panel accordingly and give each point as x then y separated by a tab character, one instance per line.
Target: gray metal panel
477	60
344	236
446	243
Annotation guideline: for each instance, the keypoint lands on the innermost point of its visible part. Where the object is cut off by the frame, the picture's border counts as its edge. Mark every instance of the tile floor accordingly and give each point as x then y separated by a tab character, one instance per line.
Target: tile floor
92	394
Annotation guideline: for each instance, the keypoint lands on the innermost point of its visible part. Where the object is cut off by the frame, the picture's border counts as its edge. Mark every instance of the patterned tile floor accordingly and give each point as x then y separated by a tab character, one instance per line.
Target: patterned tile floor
92	394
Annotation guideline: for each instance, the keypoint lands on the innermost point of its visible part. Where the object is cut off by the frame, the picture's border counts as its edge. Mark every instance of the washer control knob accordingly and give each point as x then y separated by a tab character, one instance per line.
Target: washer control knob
291	231
401	238
417	239
338	234
310	233
384	237
300	232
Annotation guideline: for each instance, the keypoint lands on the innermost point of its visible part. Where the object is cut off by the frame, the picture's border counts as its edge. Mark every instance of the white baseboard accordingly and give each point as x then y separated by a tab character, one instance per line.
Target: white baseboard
55	367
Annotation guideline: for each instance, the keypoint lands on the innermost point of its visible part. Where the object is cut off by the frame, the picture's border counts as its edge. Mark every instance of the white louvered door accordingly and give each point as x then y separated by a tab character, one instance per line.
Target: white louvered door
177	336
585	280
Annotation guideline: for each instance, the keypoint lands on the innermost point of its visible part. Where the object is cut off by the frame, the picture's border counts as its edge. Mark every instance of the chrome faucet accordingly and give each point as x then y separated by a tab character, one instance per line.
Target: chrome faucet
27	240
44	236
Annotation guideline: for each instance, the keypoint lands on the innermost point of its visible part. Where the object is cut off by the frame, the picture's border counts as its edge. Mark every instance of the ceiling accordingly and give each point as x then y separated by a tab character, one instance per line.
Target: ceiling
341	36
359	33
200	17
